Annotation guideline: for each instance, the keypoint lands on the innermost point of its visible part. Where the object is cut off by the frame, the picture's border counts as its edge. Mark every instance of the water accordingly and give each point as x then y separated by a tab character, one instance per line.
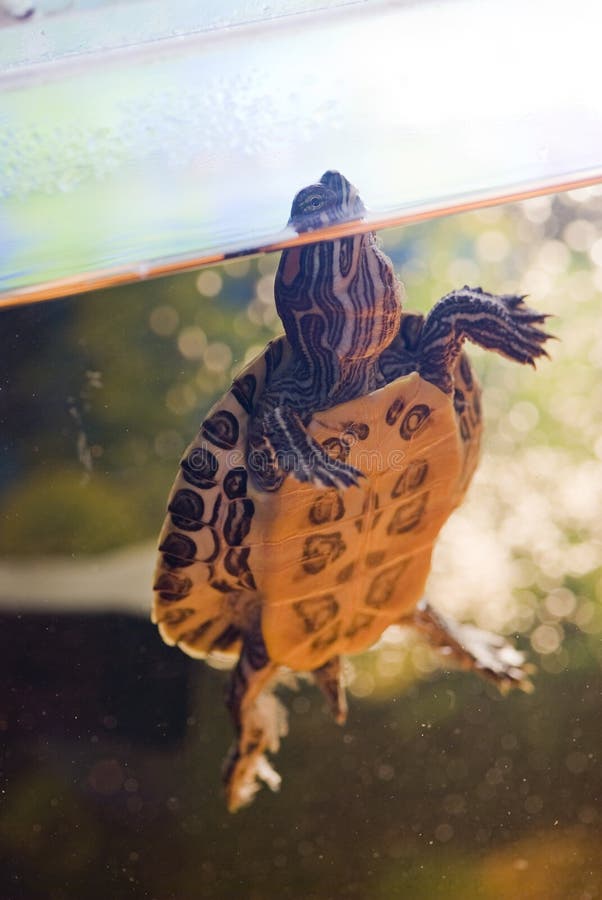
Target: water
436	786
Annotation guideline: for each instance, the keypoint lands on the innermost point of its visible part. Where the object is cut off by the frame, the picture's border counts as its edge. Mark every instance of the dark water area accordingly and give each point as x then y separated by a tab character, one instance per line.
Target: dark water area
112	746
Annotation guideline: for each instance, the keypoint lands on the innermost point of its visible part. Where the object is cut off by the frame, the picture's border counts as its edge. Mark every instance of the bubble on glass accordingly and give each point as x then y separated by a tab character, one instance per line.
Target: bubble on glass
546	638
268	264
536	210
588	815
209	283
561	603
580	286
164	320
134	804
168	444
444	832
301	705
595	252
576	762
106	776
492	246
463	271
455	804
217	357
264	289
584	194
192	342
385	772
423	659
238	268
533	804
362	685
580	234
181	399
588	617
537	283
251	353
509	741
523	416
553	257
489	214
305	848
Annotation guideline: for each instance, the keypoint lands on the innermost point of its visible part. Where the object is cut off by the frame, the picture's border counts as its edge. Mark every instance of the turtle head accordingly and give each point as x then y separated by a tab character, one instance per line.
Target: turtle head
333	199
337	298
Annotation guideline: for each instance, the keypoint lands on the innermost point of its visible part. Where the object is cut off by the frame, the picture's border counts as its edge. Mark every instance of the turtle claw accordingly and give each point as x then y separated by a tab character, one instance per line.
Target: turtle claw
525	326
283	446
327	472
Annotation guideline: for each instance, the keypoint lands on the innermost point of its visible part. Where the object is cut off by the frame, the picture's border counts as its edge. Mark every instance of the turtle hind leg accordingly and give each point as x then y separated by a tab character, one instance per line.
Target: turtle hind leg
330	681
259	721
488	654
502	323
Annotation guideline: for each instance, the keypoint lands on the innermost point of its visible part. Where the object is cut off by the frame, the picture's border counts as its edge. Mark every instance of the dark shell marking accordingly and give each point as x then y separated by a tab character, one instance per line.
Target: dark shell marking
221	429
273	358
200	468
178	550
177	616
327	507
394	411
187	508
212	536
238	521
414	420
383	585
235	483
330	636
375	558
236	563
172	587
412	477
243	390
321	549
194	634
345	573
357	431
336	448
408	515
360	622
316	612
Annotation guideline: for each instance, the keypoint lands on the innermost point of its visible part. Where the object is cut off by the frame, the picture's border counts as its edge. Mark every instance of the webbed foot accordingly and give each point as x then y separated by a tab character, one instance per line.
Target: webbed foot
488	654
246	766
503	323
259	719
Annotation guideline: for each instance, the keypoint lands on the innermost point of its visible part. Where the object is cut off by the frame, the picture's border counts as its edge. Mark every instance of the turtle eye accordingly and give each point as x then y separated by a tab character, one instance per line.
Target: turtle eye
316	202
310	205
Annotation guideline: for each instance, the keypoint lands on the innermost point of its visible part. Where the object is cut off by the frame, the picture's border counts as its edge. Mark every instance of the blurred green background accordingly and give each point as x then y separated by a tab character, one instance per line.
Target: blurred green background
436	787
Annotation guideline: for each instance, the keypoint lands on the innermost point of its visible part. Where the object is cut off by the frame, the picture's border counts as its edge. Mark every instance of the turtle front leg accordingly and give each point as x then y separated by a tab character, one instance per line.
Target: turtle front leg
488	654
279	444
259	720
502	323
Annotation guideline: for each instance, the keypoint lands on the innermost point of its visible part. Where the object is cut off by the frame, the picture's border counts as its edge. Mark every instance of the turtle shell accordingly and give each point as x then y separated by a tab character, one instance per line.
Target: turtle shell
329	569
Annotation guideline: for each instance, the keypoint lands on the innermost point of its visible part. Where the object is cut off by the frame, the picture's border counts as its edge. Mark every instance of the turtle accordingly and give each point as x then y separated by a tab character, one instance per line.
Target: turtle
302	520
